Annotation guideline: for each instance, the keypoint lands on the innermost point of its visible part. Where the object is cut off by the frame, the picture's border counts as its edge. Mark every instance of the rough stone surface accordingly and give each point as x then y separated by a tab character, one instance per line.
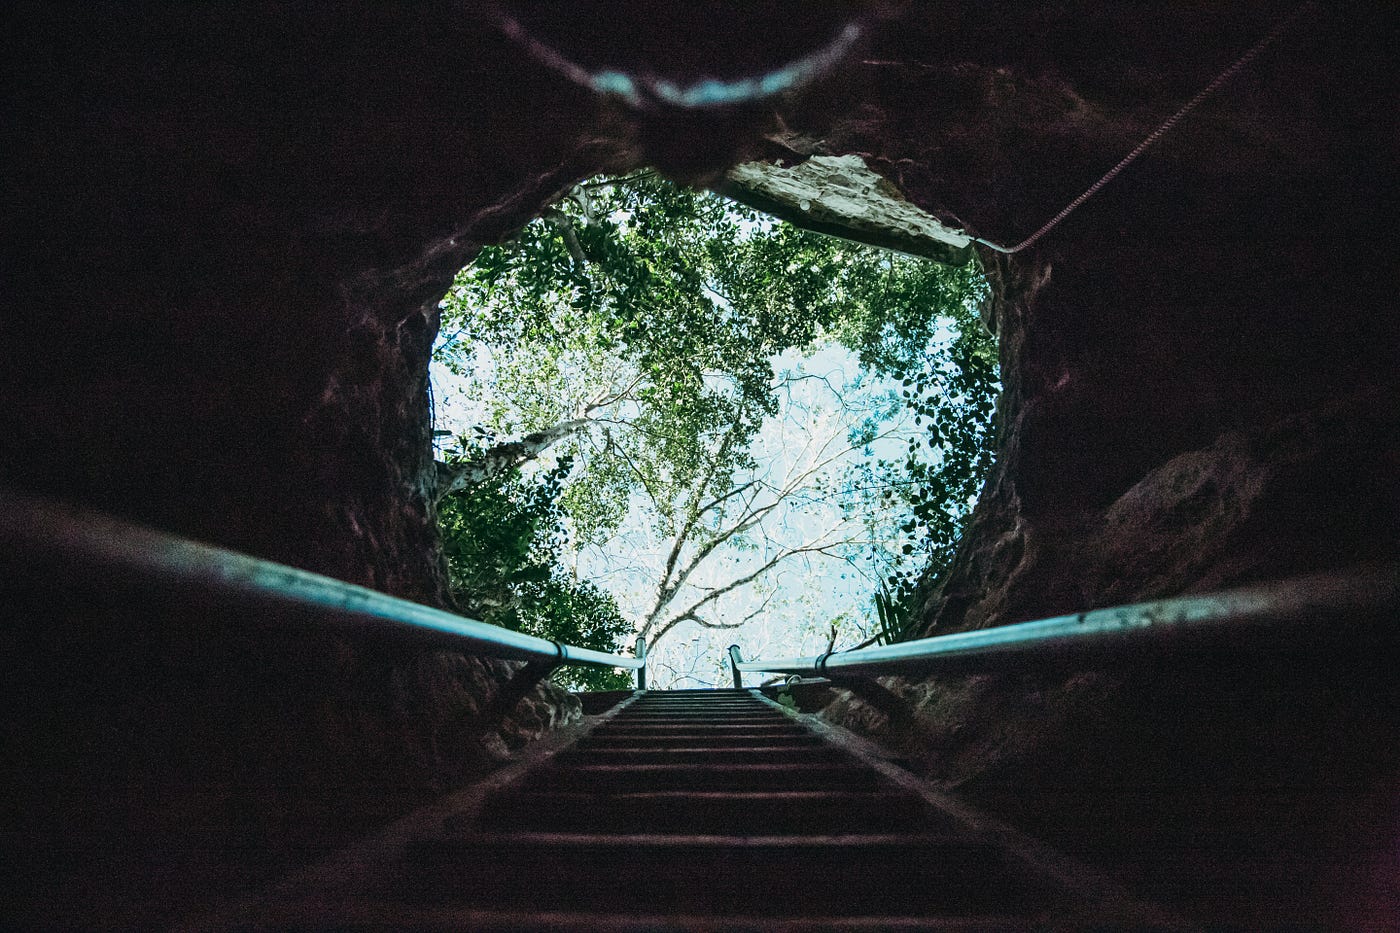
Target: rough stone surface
229	225
228	231
1196	394
841	196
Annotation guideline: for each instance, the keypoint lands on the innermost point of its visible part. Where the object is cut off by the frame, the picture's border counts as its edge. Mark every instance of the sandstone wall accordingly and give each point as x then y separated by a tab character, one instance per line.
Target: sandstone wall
1199	382
229	225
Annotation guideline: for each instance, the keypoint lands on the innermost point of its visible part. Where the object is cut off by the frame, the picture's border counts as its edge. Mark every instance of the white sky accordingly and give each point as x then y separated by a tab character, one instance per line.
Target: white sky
790	610
792	607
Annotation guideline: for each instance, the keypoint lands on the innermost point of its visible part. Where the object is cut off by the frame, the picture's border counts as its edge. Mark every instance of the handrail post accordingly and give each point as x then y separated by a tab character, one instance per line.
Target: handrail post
734	660
641	653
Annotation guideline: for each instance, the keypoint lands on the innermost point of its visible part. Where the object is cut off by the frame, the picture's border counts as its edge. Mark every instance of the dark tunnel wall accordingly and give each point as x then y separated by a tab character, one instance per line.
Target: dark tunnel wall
1197	364
228	226
1200	368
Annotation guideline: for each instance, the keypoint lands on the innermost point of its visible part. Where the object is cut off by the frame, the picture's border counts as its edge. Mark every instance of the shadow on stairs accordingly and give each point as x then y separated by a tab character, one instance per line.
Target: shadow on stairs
698	810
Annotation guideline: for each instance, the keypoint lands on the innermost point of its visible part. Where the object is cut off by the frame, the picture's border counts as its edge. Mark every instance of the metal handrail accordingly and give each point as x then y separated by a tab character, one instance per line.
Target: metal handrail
36	531
1283	614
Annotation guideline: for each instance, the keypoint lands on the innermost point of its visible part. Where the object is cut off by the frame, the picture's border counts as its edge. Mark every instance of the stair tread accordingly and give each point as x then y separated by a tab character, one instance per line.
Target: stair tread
660	729
754	795
370	914
754	766
737	755
892	874
700	726
697	708
729	814
728	741
750	812
704	729
700	747
733	718
786	842
697	702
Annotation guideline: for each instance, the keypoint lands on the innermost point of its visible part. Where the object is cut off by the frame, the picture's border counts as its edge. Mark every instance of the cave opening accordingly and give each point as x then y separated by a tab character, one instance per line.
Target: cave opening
230	230
664	413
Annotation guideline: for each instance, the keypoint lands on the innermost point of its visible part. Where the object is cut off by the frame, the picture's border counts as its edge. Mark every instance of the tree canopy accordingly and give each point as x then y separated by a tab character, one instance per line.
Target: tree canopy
619	355
503	540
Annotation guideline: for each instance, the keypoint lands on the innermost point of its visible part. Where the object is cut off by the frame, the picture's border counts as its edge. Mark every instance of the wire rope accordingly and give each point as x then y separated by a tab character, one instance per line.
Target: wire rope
1240	64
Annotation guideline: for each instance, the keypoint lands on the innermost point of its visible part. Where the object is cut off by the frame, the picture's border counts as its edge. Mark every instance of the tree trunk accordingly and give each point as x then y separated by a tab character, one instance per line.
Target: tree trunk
496	460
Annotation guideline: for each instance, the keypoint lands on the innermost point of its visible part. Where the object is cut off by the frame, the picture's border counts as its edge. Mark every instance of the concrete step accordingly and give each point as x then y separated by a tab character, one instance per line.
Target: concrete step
751	776
719	875
728	719
786	812
708	713
697	702
735	703
377	915
692	739
697	709
699	811
696	740
739	754
698	727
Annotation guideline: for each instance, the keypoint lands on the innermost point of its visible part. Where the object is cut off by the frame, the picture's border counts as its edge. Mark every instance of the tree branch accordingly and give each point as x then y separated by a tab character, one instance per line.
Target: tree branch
565	226
666	591
452	477
735	584
692	616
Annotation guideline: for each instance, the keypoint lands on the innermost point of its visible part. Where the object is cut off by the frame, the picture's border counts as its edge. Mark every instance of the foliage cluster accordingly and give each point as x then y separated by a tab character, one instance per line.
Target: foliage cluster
629	333
953	395
503	541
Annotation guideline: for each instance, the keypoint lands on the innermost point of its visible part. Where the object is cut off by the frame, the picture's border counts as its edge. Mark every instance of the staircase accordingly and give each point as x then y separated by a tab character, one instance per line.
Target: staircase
699	810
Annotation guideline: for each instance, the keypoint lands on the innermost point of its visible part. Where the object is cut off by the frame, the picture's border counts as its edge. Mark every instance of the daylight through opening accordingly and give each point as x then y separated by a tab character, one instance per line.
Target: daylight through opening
662	412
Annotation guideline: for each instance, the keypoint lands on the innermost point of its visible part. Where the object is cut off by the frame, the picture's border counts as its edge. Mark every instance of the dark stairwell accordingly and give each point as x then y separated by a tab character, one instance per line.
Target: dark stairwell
694	810
227	230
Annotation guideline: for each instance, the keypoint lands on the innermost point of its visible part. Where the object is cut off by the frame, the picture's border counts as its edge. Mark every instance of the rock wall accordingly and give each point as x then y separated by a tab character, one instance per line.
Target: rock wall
229	226
840	196
1198	381
1196	378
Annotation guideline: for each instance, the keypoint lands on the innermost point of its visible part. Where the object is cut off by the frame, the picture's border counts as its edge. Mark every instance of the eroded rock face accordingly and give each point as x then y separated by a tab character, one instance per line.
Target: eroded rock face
231	224
841	196
229	231
1196	395
1197	299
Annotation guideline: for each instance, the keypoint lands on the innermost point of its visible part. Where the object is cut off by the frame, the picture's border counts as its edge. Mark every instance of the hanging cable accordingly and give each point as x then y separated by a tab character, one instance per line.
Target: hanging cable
1206	92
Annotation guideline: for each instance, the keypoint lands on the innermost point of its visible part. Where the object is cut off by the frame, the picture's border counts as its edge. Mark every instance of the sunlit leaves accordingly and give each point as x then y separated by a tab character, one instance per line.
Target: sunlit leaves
503	540
953	394
653	313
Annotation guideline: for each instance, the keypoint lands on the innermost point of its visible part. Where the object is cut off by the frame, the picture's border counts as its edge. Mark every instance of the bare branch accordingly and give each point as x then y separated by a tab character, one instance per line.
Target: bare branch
565	226
666	590
744	580
452	477
694	617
